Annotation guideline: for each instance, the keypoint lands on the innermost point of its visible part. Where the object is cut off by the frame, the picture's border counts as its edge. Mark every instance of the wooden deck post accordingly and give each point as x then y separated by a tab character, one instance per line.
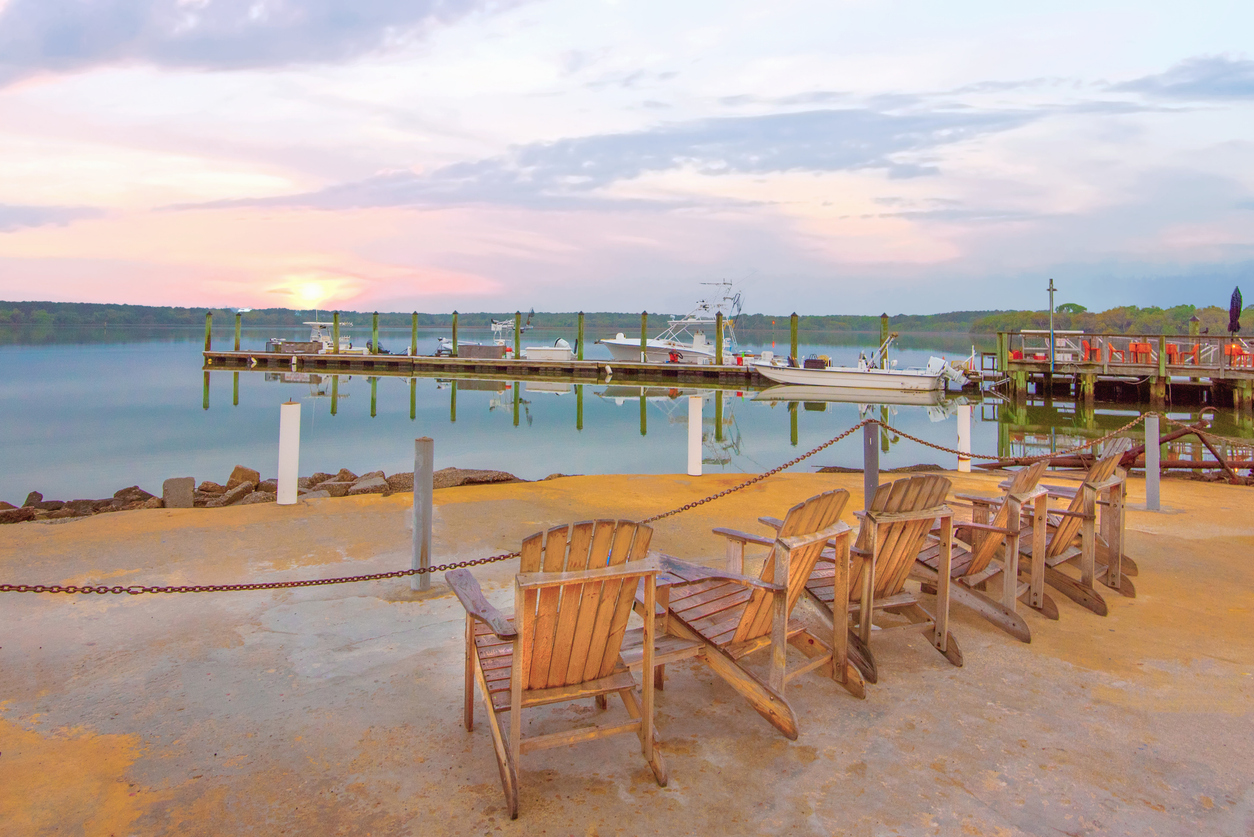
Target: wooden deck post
870	463
374	334
579	340
453	351
208	331
1152	452
644	337
517	335
1088	387
335	393
335	342
718	338
452	403
1162	356
413	335
792	351
238	318
424	468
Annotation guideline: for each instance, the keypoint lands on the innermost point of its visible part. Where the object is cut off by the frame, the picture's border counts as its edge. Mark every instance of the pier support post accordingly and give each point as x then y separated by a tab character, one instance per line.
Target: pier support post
644	416
694	435
964	437
1152	459
1088	388
644	337
208	331
413	335
1158	391
883	337
1019	384
1162	356
424	468
413	398
205	403
335	340
517	335
870	463
1194	325
792	422
1002	355
452	404
718	338
517	400
792	346
374	334
453	352
579	406
335	393
579	340
238	318
235	389
718	415
374	392
289	452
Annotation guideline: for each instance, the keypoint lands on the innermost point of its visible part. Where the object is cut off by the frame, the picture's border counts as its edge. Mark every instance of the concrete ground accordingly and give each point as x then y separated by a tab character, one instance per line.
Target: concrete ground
336	710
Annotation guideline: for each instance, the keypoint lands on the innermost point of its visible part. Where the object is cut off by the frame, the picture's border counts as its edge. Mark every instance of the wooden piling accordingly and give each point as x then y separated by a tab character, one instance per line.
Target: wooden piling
208	331
644	336
235	389
579	339
238	317
517	399
792	350
413	398
374	392
718	415
644	417
413	335
883	337
374	334
452	404
517	335
792	423
579	406
335	388
718	338
205	402
453	351
335	342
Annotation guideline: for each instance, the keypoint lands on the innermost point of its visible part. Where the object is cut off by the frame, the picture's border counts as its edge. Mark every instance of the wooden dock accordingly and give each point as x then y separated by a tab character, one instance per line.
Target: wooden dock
1155	368
409	366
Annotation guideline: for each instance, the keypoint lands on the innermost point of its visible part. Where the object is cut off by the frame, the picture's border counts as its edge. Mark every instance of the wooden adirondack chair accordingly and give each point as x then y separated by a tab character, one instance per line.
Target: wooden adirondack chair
571	605
1071	534
974	561
890	538
732	615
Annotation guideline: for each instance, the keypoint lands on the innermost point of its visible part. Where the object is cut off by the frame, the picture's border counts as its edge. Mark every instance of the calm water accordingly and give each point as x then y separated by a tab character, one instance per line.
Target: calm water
86	413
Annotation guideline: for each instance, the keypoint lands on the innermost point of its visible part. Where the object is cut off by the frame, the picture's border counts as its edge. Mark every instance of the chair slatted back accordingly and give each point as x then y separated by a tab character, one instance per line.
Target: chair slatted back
899	542
987	544
814	515
576	631
1102	470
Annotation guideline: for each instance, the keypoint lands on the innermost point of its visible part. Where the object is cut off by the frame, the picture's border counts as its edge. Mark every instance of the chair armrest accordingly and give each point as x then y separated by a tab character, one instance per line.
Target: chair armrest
471	596
774	522
984	527
695	572
1069	513
744	537
836	530
984	501
1027	496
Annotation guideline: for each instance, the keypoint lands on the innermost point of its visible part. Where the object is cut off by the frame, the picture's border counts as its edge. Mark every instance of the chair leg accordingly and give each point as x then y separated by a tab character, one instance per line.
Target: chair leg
504	758
659	677
813	647
656	762
468	696
1000	615
602	703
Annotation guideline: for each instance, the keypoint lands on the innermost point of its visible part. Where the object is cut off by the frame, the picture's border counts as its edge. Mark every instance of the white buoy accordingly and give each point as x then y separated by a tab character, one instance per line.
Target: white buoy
694	435
964	437
289	452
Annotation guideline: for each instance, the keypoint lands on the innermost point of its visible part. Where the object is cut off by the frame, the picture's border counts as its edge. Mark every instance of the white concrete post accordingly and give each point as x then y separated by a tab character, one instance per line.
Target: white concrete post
424	467
694	435
289	452
1152	451
964	437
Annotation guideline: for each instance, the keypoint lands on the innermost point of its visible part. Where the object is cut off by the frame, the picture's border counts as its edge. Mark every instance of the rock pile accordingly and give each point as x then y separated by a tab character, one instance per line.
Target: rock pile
244	487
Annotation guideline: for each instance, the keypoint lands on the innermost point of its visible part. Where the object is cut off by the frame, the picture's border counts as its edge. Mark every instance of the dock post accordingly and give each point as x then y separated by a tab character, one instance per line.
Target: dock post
453	351
374	334
374	386
335	393
883	337
238	317
205	403
289	452
235	390
413	336
1152	453
792	423
1088	387
792	332
579	406
718	338
517	335
718	415
694	435
870	463
208	331
644	416
1194	325
335	341
964	438
644	337
413	398
1162	356
424	468
579	339
517	399
452	404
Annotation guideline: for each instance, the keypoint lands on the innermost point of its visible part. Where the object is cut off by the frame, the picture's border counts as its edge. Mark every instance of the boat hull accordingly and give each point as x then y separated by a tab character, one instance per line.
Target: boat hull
893	380
852	395
656	351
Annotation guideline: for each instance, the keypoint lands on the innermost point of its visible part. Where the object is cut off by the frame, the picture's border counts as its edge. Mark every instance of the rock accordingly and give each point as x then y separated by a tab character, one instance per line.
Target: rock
50	505
208	487
64	511
82	506
134	494
33	499
242	475
17	515
258	497
270	486
153	503
201	499
316	495
233	495
450	477
105	505
319	477
345	475
370	475
304	482
372	485
6	506
335	488
178	492
402	482
556	477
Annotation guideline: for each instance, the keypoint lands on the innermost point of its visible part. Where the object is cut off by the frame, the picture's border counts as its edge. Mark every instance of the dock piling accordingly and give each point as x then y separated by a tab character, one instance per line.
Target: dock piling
238	318
644	336
579	339
517	400
694	435
884	337
424	470
718	338
205	403
413	335
335	340
792	423
644	417
1153	452
517	335
792	330
453	351
235	389
374	334
335	393
452	404
718	415
374	392
413	398
579	407
208	331
289	452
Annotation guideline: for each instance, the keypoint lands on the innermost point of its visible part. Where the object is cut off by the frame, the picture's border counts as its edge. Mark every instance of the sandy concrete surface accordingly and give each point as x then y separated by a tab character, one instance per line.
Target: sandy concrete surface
336	710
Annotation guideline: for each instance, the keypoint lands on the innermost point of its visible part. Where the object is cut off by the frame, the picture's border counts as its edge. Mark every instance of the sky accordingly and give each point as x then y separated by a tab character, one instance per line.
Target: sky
838	156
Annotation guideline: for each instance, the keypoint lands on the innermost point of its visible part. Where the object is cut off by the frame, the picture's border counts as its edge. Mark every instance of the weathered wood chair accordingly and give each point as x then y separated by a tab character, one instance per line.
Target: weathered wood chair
892	533
732	615
1072	536
572	602
979	544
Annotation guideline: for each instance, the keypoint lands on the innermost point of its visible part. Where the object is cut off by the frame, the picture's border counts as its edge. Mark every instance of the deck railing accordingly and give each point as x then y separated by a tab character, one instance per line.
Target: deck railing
1181	353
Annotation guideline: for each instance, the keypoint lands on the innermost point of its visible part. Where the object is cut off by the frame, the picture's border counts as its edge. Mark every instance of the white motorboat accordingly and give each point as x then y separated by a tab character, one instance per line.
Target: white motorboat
560	350
321	341
499	329
871	373
684	340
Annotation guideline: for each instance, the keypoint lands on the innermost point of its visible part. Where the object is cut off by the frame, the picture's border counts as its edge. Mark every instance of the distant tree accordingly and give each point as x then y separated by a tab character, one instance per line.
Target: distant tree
1071	308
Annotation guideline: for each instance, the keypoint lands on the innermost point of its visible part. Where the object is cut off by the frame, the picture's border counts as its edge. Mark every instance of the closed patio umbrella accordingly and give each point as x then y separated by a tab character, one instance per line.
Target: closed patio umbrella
1234	312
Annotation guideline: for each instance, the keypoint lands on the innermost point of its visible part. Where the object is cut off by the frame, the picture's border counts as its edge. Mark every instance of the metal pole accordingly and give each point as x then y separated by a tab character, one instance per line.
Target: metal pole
335	340
517	335
238	317
374	335
644	337
579	339
792	329
424	468
870	463
289	452
208	331
964	437
453	353
1152	451
718	338
1051	331
694	435
413	335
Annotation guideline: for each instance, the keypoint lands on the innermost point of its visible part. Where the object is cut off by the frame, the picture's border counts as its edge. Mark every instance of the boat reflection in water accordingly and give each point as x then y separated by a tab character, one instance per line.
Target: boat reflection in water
720	443
939	406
